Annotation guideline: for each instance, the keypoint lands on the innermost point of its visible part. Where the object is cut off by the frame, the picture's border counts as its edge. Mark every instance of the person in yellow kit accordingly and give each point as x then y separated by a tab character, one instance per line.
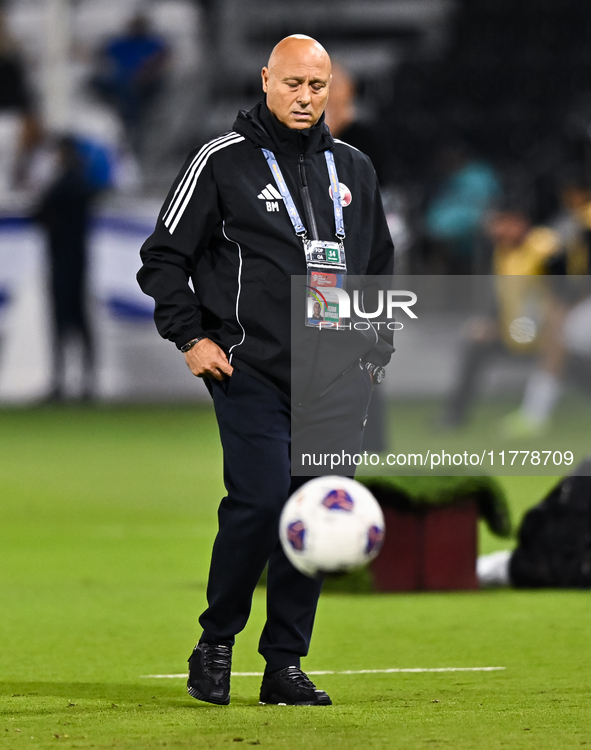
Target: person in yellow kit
524	304
544	386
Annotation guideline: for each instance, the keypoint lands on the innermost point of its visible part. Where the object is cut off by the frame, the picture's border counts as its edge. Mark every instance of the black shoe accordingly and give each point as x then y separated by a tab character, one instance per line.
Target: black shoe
209	673
292	687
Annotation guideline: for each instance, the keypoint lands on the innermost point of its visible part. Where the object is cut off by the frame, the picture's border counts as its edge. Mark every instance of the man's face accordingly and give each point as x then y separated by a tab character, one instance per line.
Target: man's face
296	84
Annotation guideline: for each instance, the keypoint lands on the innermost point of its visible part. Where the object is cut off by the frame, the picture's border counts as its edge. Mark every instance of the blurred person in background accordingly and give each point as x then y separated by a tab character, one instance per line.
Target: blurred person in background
20	129
567	312
64	212
131	75
344	124
454	214
524	304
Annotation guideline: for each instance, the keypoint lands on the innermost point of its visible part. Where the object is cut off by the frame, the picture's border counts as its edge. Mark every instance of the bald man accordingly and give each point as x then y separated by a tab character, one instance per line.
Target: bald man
225	226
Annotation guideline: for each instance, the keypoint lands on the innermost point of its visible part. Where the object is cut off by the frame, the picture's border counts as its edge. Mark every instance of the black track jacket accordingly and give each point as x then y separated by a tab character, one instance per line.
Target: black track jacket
225	227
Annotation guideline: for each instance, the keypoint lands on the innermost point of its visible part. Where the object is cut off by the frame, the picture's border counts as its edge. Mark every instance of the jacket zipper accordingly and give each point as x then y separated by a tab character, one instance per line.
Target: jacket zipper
307	200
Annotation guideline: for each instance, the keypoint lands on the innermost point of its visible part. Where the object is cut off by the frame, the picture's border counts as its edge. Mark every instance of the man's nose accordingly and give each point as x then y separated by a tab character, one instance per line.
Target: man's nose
304	96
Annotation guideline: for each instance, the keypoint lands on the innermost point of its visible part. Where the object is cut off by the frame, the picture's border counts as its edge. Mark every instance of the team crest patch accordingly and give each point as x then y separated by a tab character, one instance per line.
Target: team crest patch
338	500
346	196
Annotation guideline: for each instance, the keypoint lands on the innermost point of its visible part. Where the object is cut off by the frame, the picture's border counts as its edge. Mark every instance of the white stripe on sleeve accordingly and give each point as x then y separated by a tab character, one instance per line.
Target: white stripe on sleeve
182	184
187	185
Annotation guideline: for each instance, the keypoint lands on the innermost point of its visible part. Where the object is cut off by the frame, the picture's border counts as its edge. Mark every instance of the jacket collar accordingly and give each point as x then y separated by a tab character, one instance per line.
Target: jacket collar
261	126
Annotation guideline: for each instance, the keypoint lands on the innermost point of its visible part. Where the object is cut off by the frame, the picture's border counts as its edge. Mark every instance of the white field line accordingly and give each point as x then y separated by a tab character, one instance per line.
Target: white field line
347	671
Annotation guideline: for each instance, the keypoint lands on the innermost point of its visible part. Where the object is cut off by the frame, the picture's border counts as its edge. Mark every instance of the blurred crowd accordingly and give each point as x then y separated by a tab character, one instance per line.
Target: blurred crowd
62	173
127	74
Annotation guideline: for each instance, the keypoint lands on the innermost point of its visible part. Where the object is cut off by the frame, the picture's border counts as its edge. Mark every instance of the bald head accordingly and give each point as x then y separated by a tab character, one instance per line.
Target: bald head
297	46
296	81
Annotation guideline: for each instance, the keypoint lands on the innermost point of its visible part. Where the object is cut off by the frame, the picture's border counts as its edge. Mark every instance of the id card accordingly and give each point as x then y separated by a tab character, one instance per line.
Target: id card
327	269
324	298
323	254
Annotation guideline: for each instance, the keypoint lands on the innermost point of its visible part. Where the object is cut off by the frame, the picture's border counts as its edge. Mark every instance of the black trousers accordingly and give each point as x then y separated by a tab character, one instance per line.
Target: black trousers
254	423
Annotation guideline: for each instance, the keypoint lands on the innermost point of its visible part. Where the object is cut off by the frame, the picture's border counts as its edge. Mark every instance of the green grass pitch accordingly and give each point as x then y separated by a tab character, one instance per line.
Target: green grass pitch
107	520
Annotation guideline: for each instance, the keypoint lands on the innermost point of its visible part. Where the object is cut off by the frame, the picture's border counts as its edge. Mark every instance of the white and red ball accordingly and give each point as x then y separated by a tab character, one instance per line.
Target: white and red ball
331	525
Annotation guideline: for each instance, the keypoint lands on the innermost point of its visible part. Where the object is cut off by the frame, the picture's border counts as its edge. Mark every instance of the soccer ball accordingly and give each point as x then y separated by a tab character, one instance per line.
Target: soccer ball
331	525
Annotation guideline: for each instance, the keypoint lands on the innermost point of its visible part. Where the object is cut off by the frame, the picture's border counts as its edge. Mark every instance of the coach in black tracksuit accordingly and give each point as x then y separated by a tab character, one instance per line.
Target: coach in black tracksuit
225	227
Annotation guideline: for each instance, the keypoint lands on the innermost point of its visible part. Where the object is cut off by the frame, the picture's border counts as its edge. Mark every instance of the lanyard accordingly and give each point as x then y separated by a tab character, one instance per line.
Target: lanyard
296	221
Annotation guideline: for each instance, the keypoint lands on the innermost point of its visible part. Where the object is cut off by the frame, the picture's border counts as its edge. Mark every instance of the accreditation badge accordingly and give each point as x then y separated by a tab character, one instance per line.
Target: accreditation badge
327	270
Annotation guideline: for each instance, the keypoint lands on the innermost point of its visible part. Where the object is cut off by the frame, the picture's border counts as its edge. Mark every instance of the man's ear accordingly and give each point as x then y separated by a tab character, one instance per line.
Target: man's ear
265	77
